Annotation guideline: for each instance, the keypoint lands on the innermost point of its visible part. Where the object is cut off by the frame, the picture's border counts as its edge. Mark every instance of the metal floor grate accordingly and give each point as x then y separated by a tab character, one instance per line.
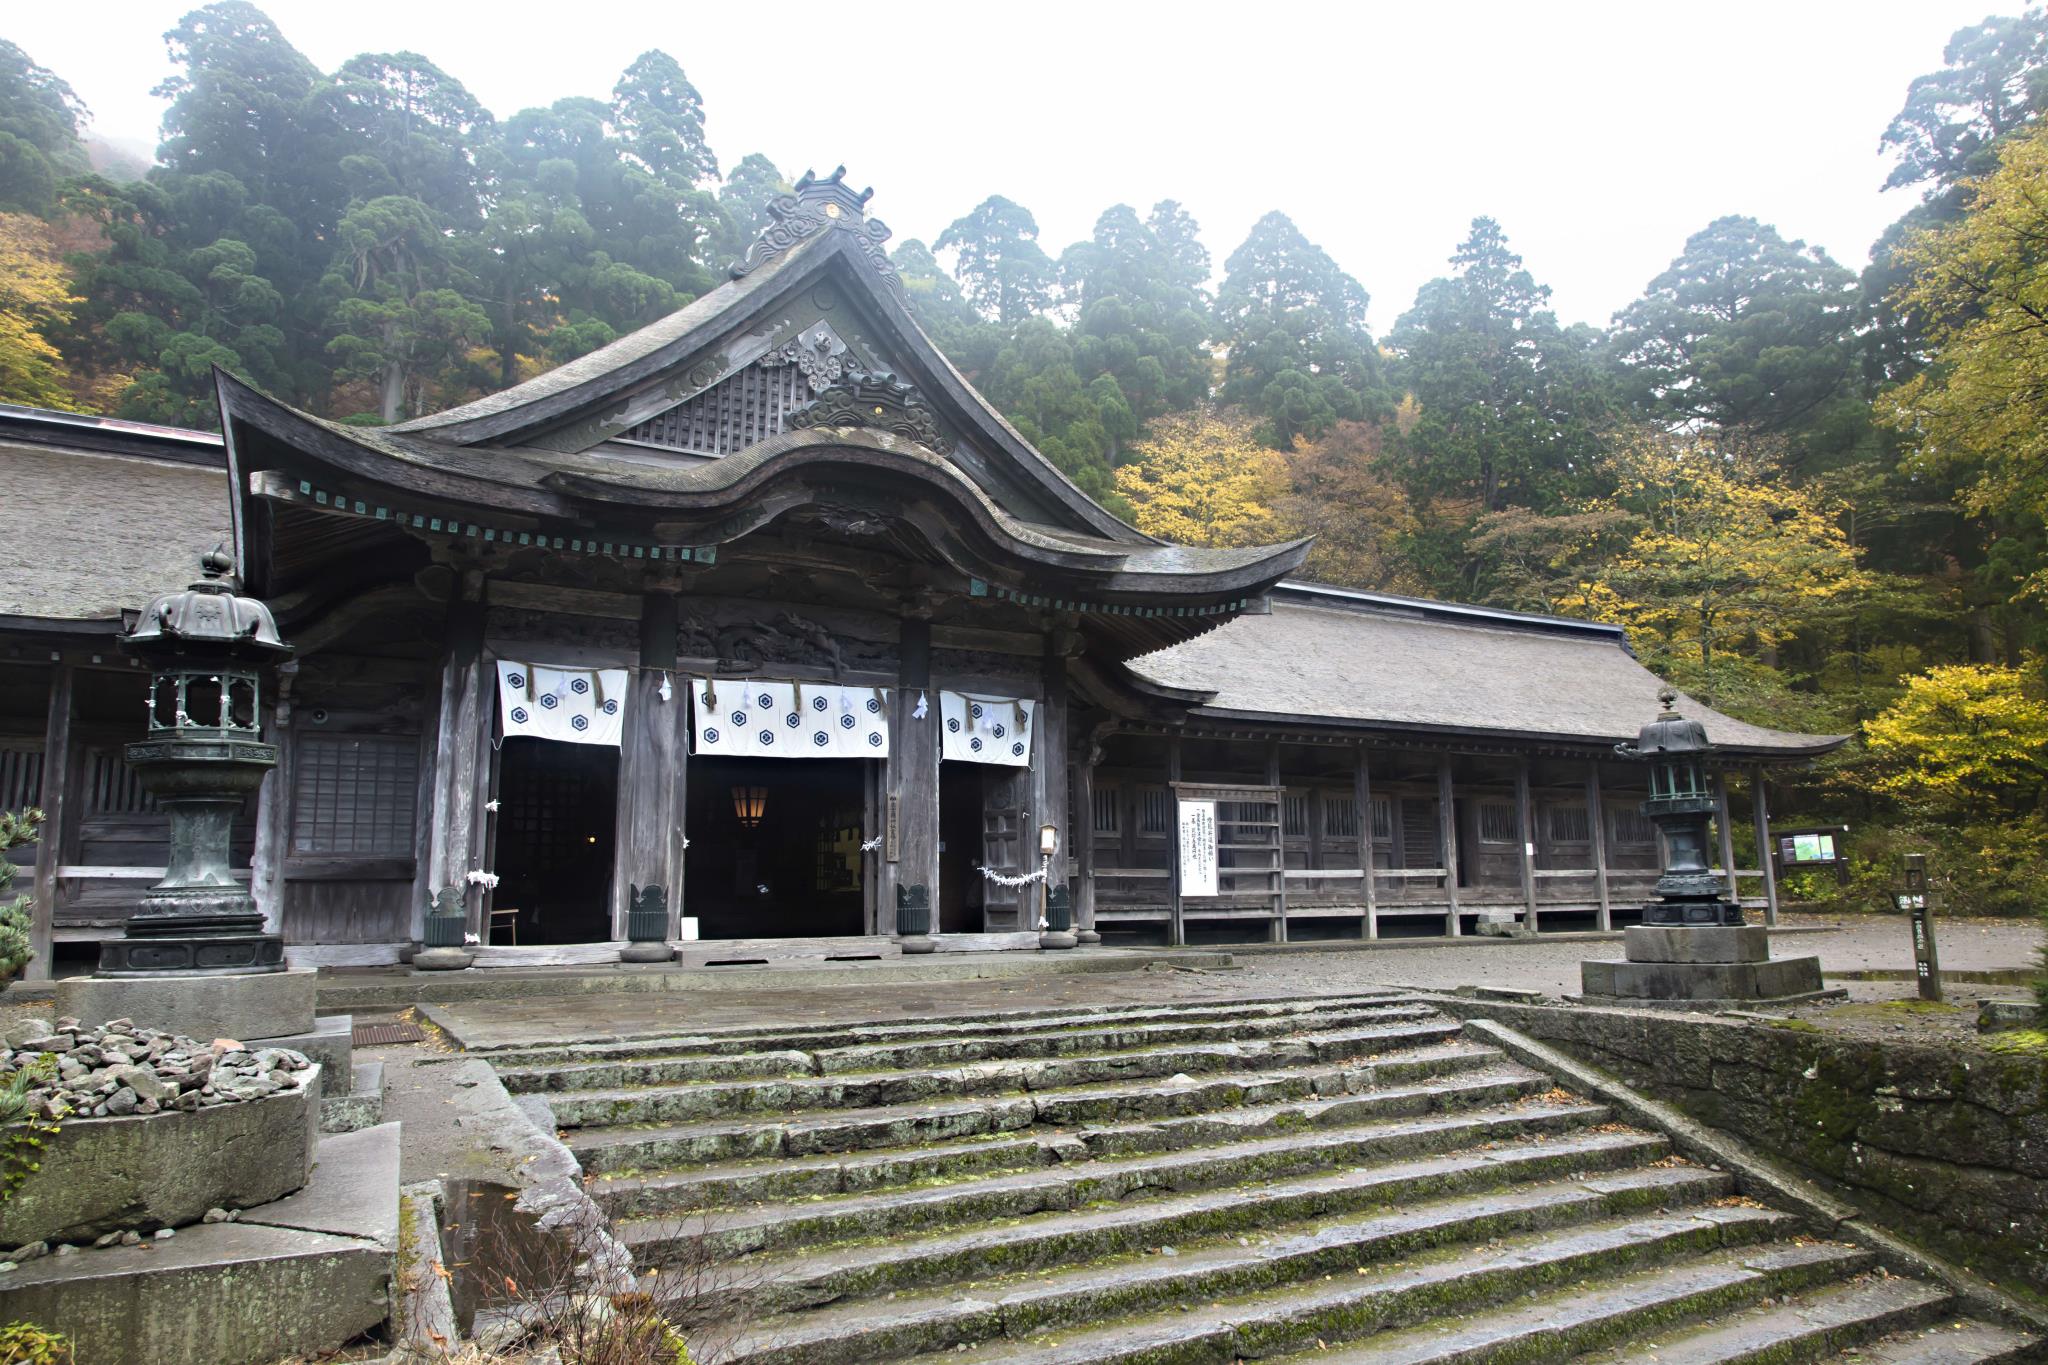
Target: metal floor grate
376	1035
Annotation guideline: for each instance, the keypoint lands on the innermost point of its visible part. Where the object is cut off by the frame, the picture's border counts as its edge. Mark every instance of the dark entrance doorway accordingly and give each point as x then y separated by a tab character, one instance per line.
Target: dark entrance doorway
961	887
557	808
775	847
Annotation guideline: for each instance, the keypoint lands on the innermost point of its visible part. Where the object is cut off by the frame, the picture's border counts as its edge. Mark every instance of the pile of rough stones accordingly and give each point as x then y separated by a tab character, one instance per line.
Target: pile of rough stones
118	1069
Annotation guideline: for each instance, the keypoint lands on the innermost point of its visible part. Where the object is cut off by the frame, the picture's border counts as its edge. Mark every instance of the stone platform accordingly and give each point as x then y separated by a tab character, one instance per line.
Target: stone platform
297	1277
271	1006
1691	965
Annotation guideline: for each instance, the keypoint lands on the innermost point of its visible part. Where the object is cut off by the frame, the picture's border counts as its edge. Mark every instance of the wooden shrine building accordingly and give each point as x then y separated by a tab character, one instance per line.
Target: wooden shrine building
765	605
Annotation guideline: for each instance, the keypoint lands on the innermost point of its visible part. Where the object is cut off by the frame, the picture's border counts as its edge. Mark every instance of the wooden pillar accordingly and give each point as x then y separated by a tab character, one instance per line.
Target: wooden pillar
1083	819
1525	857
425	832
652	753
1596	816
1049	777
271	843
1276	931
62	804
462	734
1761	812
1447	841
911	790
1724	829
1361	797
1177	927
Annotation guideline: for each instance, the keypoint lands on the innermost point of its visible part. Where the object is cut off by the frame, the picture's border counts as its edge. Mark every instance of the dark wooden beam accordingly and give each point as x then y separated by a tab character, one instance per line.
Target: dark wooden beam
1525	856
912	786
652	762
61	802
1447	840
1760	813
1361	797
1596	812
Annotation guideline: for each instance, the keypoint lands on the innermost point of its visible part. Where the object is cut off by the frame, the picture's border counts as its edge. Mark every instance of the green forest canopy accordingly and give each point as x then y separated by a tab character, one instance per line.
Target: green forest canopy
1803	489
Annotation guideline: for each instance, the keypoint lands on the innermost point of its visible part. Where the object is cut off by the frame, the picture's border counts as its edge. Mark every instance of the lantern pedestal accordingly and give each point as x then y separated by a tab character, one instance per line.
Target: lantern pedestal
260	1006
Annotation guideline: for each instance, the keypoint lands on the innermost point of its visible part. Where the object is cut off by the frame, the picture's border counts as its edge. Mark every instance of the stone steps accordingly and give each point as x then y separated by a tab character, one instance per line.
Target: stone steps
660	1099
1704	1254
658	1065
1434	1155
950	1028
1949	1341
633	1131
1330	1180
681	1188
1205	1262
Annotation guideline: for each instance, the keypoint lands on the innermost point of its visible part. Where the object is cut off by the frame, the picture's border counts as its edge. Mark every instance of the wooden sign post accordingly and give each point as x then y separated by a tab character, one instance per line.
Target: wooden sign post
1913	899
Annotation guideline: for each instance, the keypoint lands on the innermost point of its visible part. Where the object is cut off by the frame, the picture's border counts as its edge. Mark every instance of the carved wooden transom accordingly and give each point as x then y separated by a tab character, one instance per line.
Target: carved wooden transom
754	403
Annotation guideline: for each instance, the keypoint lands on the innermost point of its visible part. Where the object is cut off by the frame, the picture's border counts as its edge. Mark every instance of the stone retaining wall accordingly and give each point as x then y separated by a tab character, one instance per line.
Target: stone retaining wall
1949	1146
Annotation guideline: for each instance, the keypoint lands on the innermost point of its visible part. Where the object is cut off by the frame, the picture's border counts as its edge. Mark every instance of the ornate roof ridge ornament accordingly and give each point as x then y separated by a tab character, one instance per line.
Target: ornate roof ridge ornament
820	206
875	399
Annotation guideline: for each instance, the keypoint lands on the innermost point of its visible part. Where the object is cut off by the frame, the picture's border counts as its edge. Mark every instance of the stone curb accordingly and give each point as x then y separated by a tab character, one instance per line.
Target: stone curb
1756	1175
1371	945
424	1312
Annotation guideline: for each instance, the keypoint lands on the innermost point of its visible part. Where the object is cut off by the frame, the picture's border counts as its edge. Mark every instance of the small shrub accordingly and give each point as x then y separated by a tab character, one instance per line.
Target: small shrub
23	1343
16	828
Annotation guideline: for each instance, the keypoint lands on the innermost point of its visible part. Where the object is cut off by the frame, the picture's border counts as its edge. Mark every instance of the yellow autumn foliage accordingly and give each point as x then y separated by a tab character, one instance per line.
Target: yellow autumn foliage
35	296
1203	478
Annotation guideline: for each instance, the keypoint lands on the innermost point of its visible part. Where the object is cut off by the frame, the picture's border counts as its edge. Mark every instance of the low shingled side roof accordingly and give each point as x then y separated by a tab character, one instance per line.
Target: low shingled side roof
1408	669
84	535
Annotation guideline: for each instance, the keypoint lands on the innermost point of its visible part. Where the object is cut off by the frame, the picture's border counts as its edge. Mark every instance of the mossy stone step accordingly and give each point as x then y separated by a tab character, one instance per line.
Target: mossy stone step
653	1064
657	1189
636	1146
1030	1323
1807	1326
1136	1274
1641	1309
1947	1342
1320	1173
649	1093
810	1038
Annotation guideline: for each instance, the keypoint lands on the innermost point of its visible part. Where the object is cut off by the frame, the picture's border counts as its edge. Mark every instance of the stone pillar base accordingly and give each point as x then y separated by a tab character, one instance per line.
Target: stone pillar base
1496	926
442	959
1775	979
1087	938
262	1005
918	943
646	952
1696	943
1057	938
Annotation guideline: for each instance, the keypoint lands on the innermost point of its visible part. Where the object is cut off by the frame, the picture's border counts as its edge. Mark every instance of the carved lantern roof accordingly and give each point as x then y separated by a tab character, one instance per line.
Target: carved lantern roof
210	619
1671	733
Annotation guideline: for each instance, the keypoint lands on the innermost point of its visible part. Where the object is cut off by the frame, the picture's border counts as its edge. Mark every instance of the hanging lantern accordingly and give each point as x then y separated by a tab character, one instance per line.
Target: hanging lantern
750	804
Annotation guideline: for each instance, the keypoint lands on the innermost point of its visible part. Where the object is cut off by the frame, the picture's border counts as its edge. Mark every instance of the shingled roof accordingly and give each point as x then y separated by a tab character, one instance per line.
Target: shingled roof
1331	656
98	516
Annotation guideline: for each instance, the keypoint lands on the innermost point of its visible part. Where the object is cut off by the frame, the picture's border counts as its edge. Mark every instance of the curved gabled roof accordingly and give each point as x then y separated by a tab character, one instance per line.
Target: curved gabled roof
846	247
1333	657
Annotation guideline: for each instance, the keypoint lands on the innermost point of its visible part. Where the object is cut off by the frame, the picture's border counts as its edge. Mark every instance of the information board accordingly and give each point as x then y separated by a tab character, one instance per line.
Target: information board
1197	848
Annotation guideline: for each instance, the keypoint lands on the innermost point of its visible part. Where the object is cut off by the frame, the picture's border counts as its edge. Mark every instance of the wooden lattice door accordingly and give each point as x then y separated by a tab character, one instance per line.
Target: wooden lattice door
1005	849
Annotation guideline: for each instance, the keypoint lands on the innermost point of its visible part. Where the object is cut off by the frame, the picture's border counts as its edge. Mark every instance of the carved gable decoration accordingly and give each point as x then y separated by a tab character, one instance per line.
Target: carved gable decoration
754	403
817	206
880	401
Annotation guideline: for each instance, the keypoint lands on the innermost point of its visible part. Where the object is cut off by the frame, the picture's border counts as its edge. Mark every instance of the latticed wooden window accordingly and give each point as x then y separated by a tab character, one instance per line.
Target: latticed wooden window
1569	824
729	416
1630	827
112	787
1383	819
1107	810
355	794
21	778
1340	816
1154	810
1295	824
1496	822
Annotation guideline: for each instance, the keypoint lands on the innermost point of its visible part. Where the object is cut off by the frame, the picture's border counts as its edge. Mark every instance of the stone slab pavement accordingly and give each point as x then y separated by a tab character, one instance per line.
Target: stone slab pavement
1855	944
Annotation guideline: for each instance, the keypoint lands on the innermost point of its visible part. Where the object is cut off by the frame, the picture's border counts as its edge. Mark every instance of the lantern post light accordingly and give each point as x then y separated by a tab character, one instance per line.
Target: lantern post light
1056	906
208	649
1693	948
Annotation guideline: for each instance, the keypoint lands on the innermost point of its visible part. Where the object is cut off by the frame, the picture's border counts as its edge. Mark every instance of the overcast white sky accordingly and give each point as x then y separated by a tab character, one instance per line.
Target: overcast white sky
1600	134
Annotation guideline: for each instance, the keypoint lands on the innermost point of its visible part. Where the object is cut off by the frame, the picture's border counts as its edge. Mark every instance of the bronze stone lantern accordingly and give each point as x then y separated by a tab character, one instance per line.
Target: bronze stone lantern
208	649
1680	804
